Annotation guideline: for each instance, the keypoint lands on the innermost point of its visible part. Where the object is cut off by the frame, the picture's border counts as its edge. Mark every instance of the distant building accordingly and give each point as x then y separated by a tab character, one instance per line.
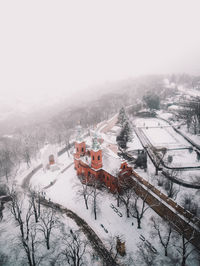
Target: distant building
94	162
49	157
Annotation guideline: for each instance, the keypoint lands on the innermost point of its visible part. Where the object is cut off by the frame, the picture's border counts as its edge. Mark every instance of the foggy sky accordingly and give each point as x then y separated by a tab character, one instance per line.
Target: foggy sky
50	48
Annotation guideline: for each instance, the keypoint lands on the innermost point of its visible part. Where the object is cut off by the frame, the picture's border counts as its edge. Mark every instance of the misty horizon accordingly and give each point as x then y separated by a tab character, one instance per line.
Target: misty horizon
50	51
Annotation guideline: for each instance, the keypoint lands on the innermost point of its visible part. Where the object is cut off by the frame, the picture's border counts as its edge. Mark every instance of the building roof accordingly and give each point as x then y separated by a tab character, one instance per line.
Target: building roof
111	164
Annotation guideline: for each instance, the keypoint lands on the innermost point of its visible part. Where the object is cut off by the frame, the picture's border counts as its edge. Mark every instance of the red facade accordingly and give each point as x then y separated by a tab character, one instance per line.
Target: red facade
90	163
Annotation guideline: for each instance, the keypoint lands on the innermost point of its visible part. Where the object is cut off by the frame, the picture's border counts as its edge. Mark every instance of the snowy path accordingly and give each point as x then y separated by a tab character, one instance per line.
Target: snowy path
95	241
54	181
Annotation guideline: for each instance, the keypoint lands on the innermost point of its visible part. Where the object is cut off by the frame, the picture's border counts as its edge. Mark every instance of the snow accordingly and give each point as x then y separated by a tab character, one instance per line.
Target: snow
189	91
135	144
44	178
164	136
65	192
111	164
62	186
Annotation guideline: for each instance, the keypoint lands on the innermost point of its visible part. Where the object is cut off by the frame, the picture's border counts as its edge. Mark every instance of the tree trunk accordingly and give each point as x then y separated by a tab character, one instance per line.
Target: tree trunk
118	200
127	212
86	203
95	213
166	252
139	223
183	261
48	242
156	173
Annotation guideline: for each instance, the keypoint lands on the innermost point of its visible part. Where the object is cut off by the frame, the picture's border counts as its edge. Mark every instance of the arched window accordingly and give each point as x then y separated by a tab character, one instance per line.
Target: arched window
77	149
82	149
99	157
93	158
124	166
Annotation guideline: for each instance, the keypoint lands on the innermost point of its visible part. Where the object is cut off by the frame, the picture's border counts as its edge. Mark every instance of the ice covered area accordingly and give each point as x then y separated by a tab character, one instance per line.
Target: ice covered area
160	133
165	137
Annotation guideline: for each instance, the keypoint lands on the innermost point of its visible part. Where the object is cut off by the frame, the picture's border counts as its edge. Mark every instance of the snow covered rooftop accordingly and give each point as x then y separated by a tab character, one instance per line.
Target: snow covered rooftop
111	164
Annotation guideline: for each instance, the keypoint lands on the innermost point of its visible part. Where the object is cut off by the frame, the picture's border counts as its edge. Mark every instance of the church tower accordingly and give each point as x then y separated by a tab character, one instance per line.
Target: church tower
80	147
96	154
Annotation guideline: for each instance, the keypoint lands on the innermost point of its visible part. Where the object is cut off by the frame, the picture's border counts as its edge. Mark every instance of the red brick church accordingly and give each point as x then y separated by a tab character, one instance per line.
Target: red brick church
93	161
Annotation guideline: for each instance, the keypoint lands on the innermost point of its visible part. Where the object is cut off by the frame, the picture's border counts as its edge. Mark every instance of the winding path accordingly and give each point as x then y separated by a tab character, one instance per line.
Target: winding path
95	241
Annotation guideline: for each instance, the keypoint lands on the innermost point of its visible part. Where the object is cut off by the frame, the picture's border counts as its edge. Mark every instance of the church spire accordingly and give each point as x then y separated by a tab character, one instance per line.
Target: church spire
95	144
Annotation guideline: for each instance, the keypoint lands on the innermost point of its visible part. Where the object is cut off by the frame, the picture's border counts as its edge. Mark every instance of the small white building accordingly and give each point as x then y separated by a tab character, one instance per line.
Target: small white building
49	157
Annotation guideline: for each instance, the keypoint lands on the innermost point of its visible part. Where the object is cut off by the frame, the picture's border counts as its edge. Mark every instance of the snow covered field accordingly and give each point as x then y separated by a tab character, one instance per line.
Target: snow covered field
161	134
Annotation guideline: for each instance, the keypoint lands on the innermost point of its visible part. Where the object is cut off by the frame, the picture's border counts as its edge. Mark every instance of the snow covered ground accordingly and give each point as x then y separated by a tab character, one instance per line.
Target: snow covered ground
9	230
149	175
63	187
65	192
161	134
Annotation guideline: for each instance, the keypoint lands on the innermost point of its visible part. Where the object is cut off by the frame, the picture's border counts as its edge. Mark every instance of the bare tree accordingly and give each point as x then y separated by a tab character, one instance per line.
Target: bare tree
138	208
9	158
164	231
75	248
3	259
94	194
190	113
84	191
188	202
116	174
171	190
36	203
27	229
159	156
48	221
28	147
126	194
160	180
182	242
